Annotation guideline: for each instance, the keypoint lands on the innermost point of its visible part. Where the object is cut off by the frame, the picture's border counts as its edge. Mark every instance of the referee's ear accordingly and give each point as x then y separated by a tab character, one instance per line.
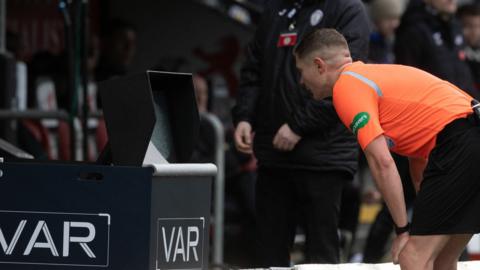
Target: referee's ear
320	64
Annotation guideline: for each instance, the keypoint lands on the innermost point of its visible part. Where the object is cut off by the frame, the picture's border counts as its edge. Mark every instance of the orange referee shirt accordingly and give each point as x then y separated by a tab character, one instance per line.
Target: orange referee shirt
407	105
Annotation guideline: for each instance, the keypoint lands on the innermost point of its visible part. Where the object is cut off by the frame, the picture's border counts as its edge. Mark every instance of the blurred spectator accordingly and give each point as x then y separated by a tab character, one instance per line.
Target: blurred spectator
118	46
204	151
305	156
385	15
430	38
222	61
201	93
469	15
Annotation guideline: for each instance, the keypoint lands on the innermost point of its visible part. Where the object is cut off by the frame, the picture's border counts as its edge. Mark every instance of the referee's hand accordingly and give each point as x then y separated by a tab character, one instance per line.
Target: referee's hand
398	245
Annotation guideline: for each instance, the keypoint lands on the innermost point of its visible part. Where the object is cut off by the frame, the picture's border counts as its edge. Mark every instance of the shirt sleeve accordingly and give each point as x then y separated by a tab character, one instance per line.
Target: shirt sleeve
356	104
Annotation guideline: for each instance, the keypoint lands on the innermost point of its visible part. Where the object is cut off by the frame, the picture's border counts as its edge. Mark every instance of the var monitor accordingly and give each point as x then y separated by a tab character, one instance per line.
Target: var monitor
151	117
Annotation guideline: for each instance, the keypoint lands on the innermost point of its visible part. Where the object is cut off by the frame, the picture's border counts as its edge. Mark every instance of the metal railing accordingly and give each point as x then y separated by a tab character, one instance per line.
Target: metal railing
219	187
60	115
33	114
184	169
11	116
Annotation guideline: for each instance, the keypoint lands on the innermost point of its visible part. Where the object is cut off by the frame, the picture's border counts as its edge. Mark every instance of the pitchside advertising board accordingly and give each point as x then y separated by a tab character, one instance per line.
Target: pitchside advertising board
125	218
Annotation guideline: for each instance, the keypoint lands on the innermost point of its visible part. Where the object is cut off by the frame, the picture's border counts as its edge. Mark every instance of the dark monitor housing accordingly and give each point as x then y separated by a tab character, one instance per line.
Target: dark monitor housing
151	107
8	86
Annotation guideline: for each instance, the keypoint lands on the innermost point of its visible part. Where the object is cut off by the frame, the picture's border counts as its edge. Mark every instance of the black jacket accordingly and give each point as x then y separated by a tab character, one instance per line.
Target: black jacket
270	94
426	41
473	59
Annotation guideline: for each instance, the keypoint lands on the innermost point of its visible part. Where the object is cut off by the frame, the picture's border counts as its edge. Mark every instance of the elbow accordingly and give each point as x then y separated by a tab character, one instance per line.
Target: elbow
384	163
379	157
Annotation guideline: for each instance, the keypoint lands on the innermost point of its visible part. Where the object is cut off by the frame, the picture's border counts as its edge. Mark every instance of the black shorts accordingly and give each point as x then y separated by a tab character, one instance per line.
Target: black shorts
449	198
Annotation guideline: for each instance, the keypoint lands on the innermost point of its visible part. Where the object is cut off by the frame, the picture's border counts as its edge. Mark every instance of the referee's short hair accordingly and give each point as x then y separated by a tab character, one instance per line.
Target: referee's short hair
319	40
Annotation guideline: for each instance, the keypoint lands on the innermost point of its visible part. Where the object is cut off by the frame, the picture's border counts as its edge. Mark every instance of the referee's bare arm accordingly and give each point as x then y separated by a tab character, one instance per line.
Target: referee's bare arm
387	178
385	173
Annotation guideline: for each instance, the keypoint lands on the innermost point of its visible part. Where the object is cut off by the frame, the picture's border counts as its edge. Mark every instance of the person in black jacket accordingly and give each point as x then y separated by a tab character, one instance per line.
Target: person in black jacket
430	38
305	156
469	16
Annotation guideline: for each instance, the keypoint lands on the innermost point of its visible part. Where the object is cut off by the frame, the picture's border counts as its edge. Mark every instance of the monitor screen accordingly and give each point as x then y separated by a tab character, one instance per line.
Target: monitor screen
162	131
150	117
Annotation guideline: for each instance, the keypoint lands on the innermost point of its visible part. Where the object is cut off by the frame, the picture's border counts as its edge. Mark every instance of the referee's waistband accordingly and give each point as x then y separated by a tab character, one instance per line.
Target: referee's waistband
456	127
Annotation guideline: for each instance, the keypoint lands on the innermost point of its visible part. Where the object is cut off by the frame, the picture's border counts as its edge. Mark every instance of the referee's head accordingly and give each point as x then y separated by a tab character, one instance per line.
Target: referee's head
325	43
319	56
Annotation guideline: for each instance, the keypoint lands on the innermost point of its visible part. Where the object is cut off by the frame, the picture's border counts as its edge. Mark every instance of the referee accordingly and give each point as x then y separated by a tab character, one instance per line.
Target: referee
413	113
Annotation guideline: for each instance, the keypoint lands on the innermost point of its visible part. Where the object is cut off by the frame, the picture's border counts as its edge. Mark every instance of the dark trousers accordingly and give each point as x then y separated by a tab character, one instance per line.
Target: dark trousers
285	195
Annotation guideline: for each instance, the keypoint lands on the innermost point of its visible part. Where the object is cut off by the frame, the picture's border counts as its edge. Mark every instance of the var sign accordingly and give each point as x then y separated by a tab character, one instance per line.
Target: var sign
54	238
180	243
